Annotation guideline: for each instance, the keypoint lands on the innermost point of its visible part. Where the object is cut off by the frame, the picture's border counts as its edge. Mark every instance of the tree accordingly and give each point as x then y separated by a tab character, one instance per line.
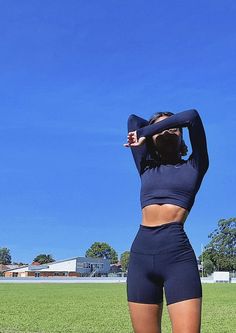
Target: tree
5	257
19	263
124	259
221	250
208	267
102	250
43	258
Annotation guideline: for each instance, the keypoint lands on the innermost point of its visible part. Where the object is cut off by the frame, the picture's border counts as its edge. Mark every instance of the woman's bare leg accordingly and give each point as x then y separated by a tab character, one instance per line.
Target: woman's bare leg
186	316
145	318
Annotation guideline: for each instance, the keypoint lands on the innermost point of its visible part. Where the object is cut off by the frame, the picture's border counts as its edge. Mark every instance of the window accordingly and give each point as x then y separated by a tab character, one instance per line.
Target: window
80	264
86	265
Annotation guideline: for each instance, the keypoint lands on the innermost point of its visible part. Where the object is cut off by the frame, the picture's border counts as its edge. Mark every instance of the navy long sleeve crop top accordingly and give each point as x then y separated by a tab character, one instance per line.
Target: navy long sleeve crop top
168	183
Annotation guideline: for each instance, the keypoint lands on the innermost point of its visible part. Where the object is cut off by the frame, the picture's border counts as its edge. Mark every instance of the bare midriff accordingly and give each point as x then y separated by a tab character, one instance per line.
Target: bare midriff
153	215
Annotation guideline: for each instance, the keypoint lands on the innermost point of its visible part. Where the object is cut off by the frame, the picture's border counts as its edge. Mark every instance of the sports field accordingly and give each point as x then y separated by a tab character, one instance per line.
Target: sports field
97	308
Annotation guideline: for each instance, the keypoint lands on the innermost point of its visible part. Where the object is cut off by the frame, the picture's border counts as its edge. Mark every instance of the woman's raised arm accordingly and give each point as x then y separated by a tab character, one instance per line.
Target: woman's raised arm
139	152
192	120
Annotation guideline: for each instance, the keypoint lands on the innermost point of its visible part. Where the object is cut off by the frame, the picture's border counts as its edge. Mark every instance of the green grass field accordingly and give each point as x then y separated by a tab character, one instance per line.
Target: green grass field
97	308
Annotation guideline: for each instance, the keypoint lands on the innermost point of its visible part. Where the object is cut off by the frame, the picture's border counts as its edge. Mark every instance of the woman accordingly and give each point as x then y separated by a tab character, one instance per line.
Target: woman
161	255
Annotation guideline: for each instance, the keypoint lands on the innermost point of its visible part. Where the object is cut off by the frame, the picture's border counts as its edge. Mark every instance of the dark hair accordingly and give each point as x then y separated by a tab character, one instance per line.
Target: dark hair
155	116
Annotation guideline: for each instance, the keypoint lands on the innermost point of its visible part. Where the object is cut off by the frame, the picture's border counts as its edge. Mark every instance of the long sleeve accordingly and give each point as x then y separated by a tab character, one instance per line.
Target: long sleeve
190	119
139	152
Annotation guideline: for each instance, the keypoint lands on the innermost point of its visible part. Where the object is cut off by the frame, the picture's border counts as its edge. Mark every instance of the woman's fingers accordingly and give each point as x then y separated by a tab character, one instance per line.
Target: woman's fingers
132	140
132	144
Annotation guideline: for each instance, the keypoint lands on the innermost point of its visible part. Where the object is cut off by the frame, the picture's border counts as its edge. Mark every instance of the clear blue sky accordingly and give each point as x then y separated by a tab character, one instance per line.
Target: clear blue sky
71	73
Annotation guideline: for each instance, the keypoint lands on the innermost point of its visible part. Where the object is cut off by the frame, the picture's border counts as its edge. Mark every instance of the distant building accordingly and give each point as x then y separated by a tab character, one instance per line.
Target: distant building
199	264
3	268
73	267
115	268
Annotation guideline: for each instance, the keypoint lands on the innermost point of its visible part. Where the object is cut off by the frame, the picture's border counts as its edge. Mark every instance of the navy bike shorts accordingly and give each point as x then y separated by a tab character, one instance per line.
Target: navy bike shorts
162	257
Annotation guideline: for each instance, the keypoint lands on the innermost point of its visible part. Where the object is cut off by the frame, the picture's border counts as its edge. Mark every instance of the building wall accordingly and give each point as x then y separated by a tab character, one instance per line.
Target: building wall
42	274
15	274
87	264
52	274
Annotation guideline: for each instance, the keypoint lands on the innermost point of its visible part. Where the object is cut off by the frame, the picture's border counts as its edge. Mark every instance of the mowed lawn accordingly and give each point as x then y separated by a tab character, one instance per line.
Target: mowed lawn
97	308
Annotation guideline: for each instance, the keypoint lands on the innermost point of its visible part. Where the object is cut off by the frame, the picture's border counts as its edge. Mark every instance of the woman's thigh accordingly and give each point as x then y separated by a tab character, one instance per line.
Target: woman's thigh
144	294
145	318
182	280
186	316
183	292
143	286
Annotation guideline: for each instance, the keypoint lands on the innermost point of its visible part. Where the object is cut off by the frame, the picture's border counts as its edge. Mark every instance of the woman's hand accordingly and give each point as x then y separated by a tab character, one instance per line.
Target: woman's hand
132	140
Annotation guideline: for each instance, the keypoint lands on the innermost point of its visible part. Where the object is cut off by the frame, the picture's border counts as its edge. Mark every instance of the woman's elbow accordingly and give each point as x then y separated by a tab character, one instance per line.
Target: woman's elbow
206	164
